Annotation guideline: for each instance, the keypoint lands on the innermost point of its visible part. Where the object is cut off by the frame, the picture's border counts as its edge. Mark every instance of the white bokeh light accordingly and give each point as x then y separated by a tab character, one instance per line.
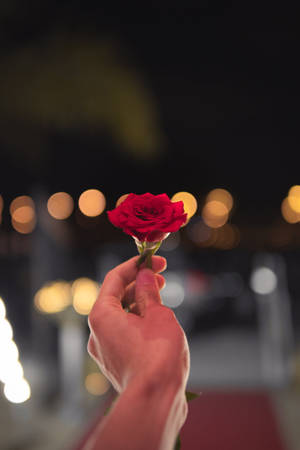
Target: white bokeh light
173	293
10	371
6	331
263	281
17	391
2	309
8	352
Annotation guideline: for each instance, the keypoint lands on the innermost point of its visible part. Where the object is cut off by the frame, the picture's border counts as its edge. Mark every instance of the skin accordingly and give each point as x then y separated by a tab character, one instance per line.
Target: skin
145	355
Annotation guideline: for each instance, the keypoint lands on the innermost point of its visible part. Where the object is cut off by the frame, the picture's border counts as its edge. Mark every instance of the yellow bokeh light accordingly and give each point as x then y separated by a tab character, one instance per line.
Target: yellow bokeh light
288	213
121	199
53	297
215	214
91	203
1	204
294	191
60	205
85	292
96	383
294	203
189	202
222	196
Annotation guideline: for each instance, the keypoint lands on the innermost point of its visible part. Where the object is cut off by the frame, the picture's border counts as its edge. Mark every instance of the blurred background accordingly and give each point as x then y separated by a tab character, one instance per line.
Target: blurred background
199	101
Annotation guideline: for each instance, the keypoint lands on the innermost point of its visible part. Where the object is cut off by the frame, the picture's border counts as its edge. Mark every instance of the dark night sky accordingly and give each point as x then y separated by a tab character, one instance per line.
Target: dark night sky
224	78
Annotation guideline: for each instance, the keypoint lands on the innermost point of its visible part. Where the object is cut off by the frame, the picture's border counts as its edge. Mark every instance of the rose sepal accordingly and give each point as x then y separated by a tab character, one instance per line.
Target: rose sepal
146	250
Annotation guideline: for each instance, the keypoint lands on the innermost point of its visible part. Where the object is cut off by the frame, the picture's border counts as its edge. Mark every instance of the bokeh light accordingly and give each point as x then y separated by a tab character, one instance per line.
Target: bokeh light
10	370
227	237
222	196
96	383
17	391
2	309
121	199
263	280
215	214
294	191
85	292
1	204
189	202
60	205
92	203
202	235
53	297
288	213
9	351
6	331
173	293
22	210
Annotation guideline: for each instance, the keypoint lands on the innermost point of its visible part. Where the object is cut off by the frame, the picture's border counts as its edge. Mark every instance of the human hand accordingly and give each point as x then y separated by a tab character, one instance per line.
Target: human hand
146	343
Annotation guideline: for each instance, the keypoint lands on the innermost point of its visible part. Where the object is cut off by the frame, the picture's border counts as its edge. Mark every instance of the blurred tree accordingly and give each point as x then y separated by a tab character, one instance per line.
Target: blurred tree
76	81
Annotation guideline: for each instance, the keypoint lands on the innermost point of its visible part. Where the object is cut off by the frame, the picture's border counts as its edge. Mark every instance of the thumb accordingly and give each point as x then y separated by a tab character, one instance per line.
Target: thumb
146	290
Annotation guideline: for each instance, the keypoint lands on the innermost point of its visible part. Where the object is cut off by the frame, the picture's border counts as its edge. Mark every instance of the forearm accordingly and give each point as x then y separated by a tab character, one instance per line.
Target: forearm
144	417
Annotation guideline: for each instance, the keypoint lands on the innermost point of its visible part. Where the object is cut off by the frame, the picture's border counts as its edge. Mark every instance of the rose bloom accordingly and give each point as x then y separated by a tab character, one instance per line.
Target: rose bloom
148	217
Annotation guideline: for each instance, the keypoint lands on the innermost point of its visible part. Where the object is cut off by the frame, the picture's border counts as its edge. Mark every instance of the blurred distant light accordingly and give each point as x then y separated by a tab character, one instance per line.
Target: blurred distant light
10	370
20	202
121	199
6	331
289	214
53	297
201	234
228	237
221	195
215	214
189	202
294	203
9	352
96	383
85	292
294	191
2	309
92	202
173	292
23	228
17	391
22	212
171	242
1	204
263	281
60	205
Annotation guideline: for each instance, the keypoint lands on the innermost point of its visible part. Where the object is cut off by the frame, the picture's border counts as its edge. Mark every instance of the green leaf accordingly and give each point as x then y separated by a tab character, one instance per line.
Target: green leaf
191	396
178	443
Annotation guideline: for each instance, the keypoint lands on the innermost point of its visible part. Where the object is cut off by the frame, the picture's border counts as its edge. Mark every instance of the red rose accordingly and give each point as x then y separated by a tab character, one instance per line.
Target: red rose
148	217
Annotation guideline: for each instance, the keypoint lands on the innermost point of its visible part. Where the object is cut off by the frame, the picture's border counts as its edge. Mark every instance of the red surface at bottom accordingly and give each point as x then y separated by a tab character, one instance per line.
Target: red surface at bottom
231	421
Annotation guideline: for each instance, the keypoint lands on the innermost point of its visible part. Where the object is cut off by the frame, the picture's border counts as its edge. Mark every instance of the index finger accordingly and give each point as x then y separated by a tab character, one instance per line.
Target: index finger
120	277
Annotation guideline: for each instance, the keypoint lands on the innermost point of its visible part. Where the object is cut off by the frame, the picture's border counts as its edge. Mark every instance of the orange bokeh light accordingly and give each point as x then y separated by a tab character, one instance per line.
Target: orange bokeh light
23	218
222	196
215	214
288	213
121	199
92	203
23	228
60	205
